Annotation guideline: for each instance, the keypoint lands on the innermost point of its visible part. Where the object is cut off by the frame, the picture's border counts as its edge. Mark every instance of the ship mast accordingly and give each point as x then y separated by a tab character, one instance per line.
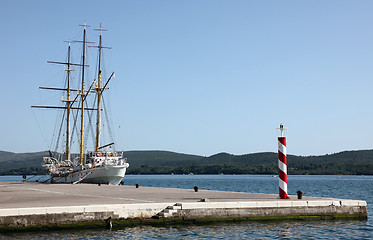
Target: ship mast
68	101
98	123
68	108
83	96
82	102
99	91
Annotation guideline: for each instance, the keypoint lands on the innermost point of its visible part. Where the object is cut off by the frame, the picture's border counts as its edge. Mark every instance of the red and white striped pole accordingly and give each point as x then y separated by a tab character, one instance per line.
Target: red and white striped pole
282	166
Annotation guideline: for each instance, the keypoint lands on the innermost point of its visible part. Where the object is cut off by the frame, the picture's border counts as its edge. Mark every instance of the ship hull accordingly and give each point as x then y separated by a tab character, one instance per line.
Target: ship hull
111	175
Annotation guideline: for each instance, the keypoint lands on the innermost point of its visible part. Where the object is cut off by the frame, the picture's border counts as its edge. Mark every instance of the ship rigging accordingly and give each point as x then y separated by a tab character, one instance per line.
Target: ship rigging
103	164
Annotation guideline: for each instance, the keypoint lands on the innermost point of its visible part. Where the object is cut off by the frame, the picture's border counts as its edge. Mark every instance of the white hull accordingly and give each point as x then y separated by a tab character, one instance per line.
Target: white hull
111	175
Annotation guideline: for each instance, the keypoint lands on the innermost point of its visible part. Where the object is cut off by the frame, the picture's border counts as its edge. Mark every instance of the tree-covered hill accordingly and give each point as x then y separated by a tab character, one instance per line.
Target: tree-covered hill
21	163
159	158
3	153
165	162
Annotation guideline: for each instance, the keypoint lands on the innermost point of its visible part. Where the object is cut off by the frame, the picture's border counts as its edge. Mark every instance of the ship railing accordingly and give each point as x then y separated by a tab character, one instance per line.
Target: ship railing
49	161
106	154
117	162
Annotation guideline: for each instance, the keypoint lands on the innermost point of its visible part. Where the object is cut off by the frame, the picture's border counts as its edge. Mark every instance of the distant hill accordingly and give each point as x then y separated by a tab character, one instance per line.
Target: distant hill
159	158
165	162
2	153
12	163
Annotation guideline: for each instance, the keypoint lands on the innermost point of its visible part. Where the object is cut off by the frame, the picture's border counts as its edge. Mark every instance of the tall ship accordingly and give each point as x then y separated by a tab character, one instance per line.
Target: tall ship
103	164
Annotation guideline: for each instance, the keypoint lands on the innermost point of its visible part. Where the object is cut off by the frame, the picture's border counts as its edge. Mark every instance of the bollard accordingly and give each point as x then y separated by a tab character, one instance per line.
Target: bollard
109	223
137	185
195	188
99	183
300	193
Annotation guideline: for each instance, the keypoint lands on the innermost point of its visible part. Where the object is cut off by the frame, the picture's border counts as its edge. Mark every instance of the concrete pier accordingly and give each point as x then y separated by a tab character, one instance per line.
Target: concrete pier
34	204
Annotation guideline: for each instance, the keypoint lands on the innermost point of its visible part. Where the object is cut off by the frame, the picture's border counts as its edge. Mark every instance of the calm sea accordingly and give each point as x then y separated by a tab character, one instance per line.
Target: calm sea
348	187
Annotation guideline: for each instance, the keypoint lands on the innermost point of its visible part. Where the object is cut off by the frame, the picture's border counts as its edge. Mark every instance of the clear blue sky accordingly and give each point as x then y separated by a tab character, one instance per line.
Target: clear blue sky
202	77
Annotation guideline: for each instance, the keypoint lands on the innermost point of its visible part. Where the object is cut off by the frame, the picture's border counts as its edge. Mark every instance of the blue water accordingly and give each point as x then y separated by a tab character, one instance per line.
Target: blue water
348	187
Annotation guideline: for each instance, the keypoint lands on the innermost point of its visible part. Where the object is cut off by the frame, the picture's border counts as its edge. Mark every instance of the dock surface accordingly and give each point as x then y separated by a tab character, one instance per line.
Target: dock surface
30	203
31	194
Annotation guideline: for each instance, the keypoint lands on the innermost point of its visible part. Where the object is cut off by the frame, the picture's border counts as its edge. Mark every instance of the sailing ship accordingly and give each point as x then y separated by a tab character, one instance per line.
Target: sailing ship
103	165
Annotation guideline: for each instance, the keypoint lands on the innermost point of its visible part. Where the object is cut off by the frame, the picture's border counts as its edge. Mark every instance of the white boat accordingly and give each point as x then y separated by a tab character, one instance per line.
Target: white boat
100	167
103	165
